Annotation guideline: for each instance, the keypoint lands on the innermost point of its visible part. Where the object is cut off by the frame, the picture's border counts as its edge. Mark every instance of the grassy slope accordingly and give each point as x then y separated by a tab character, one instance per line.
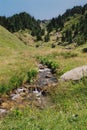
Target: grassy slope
70	99
26	37
15	58
73	20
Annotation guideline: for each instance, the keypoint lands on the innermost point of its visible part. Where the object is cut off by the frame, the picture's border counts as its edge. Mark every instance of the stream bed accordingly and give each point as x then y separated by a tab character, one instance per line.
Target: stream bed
30	94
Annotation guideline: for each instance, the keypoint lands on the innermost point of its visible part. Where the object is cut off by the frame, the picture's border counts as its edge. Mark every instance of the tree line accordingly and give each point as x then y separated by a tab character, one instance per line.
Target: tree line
77	32
58	22
22	21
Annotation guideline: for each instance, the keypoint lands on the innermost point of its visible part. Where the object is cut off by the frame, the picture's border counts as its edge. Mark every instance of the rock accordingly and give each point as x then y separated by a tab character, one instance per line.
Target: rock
23	94
2	111
48	76
41	66
15	96
19	90
41	70
45	70
75	74
37	93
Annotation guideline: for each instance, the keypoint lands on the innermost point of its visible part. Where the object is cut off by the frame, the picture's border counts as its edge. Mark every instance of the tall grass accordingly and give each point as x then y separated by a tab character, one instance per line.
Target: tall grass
70	96
17	80
69	111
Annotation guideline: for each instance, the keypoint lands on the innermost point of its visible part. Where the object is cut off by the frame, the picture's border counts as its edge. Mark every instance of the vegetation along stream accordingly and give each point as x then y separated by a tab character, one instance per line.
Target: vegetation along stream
30	94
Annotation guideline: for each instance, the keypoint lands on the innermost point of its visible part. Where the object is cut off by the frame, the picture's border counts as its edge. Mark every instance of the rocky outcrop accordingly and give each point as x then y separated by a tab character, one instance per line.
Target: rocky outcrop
75	74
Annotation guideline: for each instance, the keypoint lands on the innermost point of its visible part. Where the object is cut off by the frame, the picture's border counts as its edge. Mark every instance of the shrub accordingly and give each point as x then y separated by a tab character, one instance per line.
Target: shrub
3	88
14	82
84	50
53	45
47	38
37	46
31	74
50	63
80	40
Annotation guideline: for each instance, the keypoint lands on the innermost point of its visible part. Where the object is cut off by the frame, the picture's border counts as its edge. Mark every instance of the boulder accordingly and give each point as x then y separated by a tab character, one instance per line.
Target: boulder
75	74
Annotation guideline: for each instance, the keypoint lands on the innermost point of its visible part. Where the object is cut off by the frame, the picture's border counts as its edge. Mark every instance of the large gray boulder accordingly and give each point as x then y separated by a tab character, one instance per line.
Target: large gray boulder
75	74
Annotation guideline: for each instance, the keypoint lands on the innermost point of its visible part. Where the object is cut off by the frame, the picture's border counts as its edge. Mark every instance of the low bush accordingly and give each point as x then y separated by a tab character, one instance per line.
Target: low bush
31	74
84	50
53	46
50	63
3	88
16	81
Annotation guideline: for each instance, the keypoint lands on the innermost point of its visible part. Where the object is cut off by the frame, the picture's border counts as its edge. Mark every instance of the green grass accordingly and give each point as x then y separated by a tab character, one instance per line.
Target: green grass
50	63
9	40
18	64
69	111
15	61
73	20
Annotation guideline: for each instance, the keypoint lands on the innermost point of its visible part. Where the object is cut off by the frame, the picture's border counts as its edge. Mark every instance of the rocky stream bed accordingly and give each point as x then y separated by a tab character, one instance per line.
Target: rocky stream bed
30	94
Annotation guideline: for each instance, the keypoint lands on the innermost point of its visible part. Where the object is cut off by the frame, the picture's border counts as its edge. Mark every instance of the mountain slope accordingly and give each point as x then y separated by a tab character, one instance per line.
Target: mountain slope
72	25
15	59
22	21
7	39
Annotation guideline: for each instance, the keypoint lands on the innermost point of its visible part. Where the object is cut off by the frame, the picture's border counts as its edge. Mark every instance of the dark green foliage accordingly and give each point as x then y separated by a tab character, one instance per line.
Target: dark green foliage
80	40
50	63
84	50
14	82
37	45
39	38
67	36
22	21
3	88
72	12
16	113
55	23
47	38
83	26
53	45
3	21
77	32
84	8
59	21
31	74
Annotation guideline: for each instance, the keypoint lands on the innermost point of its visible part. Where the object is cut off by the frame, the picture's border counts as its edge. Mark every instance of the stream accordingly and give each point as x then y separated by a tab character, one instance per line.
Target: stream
30	94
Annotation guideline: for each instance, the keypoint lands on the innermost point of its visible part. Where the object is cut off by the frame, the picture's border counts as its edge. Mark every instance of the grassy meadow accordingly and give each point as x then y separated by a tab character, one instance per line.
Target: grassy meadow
15	60
69	109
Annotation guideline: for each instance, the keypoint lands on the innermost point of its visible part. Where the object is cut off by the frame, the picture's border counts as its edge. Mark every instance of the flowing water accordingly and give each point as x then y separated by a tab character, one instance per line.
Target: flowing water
30	94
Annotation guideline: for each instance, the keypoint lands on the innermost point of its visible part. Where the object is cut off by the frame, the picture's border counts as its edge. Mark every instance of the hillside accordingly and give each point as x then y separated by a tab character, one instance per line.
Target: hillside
27	101
22	21
14	58
26	37
72	25
8	40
